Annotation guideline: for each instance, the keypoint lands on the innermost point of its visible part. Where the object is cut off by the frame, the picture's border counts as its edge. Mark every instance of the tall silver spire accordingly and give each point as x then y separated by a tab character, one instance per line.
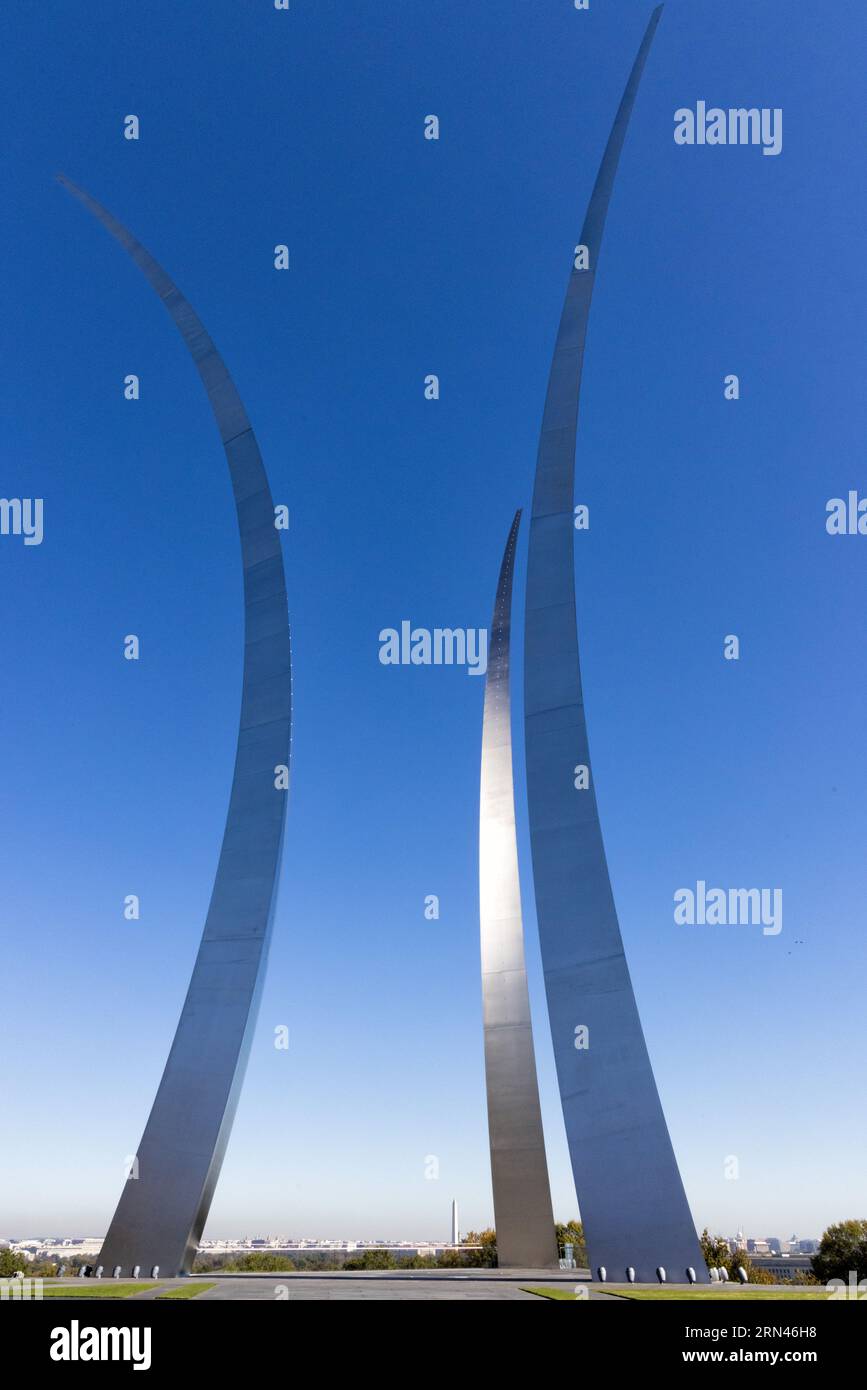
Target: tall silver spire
164	1203
519	1171
630	1193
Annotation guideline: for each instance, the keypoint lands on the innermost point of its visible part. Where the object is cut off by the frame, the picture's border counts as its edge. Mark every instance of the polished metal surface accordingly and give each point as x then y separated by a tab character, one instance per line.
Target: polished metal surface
631	1196
519	1171
162	1211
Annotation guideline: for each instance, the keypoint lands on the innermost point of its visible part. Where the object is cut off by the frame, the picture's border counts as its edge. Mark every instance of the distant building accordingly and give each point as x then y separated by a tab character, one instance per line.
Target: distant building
784	1268
456	1234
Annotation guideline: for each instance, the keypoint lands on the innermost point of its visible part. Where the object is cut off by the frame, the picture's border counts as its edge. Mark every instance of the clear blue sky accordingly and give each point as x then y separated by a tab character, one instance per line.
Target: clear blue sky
707	518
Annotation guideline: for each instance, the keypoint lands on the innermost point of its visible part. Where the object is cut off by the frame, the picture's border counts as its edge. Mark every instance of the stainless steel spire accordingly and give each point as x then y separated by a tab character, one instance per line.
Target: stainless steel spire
519	1172
164	1204
632	1200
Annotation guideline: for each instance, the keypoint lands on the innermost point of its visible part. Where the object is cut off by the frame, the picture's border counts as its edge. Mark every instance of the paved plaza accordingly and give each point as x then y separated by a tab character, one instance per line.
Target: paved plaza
384	1285
487	1285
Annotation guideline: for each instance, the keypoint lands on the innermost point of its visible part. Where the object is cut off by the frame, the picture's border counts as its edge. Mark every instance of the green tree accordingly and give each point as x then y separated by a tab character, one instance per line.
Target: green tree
717	1254
842	1251
260	1262
484	1258
373	1259
10	1263
456	1259
571	1233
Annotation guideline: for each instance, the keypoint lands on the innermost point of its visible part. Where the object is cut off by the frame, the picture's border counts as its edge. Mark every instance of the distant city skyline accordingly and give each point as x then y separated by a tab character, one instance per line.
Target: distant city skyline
43	1245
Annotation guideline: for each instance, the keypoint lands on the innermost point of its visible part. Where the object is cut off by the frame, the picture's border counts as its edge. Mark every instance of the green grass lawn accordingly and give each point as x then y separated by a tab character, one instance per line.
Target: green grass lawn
748	1292
91	1288
185	1291
554	1293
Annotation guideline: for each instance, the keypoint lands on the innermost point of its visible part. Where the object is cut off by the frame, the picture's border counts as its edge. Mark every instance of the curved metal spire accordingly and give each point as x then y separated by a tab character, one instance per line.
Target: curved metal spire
632	1200
519	1172
162	1211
